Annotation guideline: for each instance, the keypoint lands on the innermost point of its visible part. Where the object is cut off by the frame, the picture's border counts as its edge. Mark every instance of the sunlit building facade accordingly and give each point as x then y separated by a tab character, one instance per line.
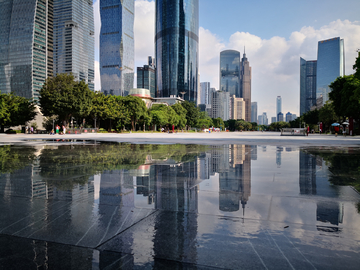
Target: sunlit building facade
330	65
307	85
177	48
245	85
117	46
26	46
74	39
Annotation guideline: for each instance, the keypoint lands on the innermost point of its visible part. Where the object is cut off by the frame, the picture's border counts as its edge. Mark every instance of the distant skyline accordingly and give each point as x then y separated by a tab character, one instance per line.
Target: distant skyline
276	34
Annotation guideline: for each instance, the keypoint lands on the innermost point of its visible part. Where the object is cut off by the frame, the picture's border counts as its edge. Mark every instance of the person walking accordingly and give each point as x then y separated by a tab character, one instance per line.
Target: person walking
64	129
57	129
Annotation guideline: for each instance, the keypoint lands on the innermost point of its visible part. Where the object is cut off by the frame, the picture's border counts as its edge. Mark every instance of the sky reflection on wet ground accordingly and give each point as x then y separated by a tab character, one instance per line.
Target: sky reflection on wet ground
110	206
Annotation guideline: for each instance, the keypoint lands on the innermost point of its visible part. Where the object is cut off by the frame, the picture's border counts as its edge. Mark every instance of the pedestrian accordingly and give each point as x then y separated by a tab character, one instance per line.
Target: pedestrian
26	129
32	130
57	129
64	129
344	131
307	131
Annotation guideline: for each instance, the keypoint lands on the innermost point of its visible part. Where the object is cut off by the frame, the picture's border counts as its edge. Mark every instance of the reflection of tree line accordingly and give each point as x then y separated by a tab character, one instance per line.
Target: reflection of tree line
67	165
344	165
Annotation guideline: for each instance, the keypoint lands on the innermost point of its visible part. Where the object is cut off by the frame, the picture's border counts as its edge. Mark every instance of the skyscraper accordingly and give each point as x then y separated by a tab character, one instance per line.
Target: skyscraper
253	111
307	85
245	85
278	106
146	77
74	39
330	65
220	105
230	72
26	46
117	46
205	93
177	48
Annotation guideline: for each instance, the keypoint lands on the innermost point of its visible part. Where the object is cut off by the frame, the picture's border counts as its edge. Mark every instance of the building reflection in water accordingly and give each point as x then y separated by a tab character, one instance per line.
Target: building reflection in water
172	186
313	180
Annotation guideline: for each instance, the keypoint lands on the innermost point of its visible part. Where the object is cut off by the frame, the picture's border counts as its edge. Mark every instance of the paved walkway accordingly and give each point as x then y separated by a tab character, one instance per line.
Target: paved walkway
250	138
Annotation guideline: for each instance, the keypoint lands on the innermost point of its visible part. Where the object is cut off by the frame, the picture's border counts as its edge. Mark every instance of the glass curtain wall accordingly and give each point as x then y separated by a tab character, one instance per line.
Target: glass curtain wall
307	85
25	46
117	46
74	39
177	48
230	72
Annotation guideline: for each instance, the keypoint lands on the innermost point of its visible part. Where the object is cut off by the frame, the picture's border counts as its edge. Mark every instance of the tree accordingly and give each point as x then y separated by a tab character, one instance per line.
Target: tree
136	108
62	96
204	121
192	113
15	110
218	122
164	115
181	112
327	115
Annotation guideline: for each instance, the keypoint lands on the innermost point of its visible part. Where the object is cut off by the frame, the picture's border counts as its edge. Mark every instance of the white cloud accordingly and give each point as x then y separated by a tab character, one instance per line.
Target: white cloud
275	62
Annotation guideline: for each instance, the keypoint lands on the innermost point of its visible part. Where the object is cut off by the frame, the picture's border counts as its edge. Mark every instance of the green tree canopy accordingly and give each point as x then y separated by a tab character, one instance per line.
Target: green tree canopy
218	122
135	108
327	115
192	113
15	110
181	112
62	96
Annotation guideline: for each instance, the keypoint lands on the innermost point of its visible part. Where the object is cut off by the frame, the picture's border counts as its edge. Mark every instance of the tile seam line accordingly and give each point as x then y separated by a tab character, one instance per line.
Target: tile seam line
99	245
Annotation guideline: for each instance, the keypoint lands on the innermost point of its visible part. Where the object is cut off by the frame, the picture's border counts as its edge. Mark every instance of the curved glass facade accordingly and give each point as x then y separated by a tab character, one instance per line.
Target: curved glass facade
74	39
230	72
117	46
177	48
26	46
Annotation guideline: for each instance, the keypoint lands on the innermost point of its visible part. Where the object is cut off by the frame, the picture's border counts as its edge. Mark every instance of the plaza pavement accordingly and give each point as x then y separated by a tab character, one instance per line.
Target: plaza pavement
215	138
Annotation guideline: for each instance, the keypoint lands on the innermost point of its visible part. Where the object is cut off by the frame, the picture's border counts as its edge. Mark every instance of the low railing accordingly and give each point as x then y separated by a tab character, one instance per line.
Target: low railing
81	130
293	132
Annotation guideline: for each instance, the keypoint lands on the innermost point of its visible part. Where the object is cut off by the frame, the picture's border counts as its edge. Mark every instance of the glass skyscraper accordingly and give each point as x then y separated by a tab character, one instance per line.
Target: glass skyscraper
74	39
146	76
117	46
177	48
26	46
253	112
307	85
330	65
230	72
245	85
278	107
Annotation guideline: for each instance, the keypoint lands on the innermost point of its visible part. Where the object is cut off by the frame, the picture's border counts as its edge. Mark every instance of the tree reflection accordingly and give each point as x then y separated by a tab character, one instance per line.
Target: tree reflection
15	157
344	165
69	165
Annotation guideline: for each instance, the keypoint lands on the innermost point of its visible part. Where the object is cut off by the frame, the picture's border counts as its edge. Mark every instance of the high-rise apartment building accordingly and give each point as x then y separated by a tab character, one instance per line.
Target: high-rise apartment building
245	85
278	106
330	65
146	77
26	46
254	111
177	48
220	106
230	72
237	108
307	85
74	39
117	46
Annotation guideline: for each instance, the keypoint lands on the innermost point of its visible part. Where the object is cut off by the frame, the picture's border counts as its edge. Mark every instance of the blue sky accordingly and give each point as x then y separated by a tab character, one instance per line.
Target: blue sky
276	34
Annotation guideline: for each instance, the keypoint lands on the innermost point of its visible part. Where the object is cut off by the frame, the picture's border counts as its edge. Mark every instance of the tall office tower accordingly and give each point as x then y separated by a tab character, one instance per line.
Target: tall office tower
245	85
146	77
253	111
278	106
204	93
26	46
117	46
288	117
237	108
74	39
330	65
177	48
280	117
260	120
307	85
265	119
273	119
220	106
230	72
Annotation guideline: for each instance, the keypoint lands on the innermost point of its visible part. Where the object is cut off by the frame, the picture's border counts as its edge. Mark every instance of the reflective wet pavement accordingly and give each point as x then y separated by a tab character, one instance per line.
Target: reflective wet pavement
111	206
